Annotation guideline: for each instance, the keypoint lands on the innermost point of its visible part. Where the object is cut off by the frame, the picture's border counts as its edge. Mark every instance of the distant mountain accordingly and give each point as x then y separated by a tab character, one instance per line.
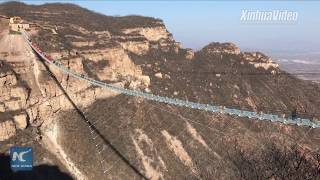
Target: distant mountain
304	69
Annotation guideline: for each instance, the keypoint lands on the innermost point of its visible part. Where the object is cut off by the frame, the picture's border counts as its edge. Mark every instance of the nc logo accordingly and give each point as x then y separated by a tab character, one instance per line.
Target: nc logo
21	158
20	155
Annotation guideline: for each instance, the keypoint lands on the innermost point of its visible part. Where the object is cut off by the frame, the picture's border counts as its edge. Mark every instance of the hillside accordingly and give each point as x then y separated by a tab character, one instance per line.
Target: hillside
136	138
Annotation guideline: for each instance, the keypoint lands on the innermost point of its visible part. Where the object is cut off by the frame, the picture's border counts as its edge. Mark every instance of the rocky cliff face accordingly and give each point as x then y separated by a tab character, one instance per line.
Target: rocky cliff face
13	98
137	136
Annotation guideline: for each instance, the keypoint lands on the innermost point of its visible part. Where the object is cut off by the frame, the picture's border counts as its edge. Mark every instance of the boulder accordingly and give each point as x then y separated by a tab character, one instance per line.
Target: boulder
145	80
167	76
189	54
21	121
147	90
134	85
158	75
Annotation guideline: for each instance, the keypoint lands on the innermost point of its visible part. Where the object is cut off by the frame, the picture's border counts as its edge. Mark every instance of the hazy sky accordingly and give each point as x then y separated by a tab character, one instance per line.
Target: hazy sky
195	23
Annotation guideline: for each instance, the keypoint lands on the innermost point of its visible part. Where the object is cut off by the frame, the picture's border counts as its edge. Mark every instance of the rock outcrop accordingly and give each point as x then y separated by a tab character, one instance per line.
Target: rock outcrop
189	54
217	48
137	47
260	60
21	121
152	34
13	96
7	130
